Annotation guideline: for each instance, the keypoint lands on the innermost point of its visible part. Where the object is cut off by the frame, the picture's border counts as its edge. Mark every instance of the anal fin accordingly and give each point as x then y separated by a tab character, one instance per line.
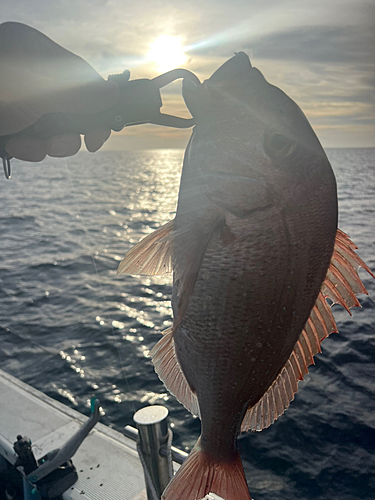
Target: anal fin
341	285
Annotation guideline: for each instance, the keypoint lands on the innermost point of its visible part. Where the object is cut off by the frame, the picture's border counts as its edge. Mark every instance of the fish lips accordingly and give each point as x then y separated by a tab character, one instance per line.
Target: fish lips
236	68
227	86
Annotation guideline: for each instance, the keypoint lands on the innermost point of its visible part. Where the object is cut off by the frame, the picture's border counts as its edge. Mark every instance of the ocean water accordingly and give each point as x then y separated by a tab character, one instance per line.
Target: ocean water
71	328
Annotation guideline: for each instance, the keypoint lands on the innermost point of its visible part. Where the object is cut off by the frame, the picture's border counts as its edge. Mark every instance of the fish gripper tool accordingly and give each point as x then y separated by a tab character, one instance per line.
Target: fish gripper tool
139	103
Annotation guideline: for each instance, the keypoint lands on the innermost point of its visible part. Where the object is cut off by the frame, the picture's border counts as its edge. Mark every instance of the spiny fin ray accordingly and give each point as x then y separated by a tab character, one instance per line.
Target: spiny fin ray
225	478
152	255
341	285
169	371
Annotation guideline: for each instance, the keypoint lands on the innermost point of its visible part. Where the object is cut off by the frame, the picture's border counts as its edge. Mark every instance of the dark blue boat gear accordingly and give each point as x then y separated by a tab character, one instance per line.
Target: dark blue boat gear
54	473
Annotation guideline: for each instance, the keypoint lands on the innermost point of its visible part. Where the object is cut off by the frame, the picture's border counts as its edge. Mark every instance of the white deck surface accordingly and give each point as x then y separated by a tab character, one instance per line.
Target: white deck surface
107	462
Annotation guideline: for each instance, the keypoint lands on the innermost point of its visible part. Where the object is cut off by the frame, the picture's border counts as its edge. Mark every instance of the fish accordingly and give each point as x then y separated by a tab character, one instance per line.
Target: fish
255	253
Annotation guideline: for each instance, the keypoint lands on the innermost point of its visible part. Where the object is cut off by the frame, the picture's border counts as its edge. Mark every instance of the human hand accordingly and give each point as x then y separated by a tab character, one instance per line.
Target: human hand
39	76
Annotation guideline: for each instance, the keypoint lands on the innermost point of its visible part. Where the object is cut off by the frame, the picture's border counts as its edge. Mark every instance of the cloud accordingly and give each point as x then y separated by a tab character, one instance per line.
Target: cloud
318	44
320	53
328	70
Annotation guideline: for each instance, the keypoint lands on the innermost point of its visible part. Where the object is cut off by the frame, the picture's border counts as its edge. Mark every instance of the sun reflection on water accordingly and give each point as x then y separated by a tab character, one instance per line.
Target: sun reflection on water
106	324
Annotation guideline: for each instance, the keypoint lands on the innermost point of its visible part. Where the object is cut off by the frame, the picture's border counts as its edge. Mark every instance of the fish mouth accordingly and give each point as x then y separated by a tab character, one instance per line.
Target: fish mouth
204	100
234	69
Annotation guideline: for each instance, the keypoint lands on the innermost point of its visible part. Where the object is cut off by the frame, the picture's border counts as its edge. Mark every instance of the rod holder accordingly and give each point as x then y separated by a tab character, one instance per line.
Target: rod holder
152	425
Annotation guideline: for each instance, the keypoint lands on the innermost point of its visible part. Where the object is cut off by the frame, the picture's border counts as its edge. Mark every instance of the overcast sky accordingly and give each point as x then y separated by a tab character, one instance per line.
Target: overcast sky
320	52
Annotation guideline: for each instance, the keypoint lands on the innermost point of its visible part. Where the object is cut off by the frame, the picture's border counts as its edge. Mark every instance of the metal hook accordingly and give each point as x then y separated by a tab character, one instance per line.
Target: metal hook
160	82
169	77
6	166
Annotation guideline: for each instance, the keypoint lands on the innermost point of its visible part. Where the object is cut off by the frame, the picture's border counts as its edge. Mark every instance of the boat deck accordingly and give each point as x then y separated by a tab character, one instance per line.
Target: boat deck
107	462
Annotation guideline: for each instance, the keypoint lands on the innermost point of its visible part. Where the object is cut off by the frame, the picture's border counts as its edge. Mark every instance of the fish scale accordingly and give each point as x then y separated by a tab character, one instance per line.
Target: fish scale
237	328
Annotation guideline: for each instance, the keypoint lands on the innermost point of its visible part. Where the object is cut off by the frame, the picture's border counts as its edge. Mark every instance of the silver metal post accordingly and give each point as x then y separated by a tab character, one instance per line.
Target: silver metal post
152	425
178	455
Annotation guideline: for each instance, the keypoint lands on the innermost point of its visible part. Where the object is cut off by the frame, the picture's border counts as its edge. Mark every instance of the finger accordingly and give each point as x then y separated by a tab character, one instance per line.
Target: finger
27	149
88	98
64	145
95	140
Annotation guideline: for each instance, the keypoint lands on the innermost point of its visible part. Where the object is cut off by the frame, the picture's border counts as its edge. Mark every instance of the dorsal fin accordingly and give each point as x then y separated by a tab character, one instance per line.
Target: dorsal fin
341	285
169	371
152	255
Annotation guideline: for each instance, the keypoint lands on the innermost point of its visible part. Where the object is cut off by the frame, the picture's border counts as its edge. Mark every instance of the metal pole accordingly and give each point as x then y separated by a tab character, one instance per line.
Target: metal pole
152	425
178	455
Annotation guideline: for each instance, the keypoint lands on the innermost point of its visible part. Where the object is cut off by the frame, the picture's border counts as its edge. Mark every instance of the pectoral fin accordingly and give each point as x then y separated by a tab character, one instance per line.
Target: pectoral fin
152	255
186	246
341	285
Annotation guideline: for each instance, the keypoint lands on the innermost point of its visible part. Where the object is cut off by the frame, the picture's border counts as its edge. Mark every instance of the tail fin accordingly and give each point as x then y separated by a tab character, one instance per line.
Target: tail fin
200	475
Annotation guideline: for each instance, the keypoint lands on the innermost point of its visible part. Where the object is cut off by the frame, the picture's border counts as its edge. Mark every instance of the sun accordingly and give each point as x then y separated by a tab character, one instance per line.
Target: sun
167	52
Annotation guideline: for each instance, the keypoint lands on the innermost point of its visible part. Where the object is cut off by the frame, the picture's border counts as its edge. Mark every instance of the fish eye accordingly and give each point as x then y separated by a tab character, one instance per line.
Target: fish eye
279	145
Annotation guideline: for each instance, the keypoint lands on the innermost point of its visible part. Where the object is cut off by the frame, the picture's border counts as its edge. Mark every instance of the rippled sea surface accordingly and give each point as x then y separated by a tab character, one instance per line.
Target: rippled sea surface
71	328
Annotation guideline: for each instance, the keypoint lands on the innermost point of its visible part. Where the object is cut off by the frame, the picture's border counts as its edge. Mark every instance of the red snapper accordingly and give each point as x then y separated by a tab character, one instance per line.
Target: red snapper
254	250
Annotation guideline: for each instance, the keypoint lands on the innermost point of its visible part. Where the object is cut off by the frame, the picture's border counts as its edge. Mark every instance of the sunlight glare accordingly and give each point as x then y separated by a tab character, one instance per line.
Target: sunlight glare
167	52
